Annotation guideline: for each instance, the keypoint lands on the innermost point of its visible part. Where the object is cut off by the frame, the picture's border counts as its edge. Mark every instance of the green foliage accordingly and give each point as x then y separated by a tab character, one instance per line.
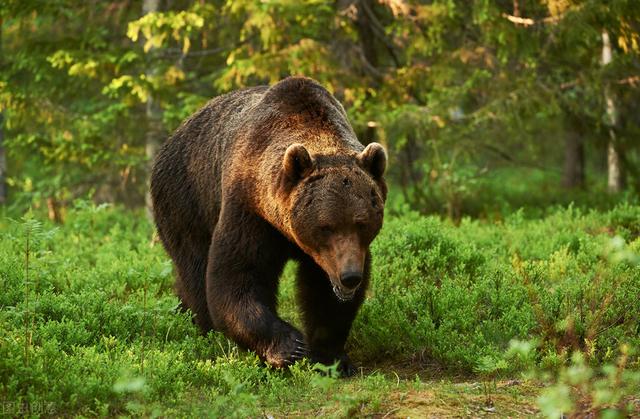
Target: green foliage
582	387
96	329
93	328
460	294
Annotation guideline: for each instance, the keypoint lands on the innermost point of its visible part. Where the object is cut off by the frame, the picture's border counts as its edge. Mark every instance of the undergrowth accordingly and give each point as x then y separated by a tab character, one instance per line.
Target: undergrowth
90	322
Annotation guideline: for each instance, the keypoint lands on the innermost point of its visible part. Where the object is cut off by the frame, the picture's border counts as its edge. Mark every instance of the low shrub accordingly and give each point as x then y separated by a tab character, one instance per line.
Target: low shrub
460	294
90	324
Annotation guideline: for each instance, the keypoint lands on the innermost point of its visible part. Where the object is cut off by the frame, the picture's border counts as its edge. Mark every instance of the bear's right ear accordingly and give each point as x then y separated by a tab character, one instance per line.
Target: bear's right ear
373	159
297	163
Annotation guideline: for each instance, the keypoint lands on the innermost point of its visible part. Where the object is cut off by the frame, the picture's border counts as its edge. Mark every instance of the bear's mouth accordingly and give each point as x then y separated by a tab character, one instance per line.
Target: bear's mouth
343	295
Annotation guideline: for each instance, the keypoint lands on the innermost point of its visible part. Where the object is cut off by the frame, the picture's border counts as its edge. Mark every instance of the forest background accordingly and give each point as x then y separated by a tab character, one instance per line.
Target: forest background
483	105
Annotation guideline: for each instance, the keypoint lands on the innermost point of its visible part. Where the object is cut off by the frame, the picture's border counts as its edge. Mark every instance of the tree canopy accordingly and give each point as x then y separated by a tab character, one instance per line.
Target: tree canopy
455	89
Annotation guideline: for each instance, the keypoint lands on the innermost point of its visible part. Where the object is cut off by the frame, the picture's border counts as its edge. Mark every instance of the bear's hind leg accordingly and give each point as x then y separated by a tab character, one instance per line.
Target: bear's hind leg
191	288
183	232
189	247
327	320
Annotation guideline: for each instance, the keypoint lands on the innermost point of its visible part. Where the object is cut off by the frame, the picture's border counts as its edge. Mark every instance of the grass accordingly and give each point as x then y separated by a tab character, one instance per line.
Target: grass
93	330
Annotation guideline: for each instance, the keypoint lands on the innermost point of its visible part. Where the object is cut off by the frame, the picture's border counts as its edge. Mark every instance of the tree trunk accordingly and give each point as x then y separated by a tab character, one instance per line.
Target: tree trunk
53	210
615	181
3	157
3	164
573	174
370	133
155	131
365	34
153	140
366	39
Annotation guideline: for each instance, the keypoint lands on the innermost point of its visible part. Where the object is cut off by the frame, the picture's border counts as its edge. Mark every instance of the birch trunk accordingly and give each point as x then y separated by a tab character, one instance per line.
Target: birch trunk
615	175
153	112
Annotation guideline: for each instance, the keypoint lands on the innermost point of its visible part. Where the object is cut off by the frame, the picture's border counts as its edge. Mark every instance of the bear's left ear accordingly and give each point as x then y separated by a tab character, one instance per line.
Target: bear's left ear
297	163
373	159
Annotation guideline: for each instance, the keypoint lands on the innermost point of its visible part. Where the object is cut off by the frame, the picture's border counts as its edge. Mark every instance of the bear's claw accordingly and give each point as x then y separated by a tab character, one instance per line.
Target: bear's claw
301	344
299	352
287	350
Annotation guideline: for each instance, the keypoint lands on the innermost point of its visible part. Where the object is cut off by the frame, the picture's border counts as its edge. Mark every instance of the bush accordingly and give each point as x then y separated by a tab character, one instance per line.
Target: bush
585	389
90	324
460	294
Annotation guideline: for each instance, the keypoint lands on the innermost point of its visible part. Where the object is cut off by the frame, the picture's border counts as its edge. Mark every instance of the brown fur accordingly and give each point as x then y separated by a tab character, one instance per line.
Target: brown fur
257	177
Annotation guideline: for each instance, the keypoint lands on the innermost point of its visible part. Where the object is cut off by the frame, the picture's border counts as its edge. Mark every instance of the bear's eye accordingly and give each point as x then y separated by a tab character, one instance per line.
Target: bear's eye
374	200
361	225
326	229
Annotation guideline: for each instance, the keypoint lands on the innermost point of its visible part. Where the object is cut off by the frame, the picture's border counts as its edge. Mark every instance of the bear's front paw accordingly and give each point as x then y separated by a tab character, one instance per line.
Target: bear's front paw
287	350
345	366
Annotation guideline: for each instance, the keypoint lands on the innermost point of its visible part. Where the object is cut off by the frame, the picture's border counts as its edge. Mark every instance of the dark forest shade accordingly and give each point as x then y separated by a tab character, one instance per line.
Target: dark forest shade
573	175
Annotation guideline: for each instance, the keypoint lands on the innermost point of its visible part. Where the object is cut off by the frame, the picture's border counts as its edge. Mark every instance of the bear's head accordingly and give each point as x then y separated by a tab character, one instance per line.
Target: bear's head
336	209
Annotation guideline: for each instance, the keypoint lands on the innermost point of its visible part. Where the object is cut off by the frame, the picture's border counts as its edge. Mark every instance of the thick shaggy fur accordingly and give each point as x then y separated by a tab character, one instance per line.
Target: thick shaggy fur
255	178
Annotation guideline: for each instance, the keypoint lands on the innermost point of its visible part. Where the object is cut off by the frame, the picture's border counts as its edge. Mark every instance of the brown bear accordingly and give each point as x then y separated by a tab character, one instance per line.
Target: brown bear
255	178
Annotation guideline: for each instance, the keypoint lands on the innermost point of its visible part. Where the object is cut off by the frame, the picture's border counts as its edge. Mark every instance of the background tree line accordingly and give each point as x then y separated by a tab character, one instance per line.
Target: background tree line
482	104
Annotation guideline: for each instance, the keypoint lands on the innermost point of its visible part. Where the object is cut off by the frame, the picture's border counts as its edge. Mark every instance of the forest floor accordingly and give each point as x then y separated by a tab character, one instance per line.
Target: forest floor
438	395
407	392
453	318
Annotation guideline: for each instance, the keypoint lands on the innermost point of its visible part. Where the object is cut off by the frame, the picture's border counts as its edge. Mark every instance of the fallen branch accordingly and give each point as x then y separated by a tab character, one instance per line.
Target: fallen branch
632	80
519	20
526	21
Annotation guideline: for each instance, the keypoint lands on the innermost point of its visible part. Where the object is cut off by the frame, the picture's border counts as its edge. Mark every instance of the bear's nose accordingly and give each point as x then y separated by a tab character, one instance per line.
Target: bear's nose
351	279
